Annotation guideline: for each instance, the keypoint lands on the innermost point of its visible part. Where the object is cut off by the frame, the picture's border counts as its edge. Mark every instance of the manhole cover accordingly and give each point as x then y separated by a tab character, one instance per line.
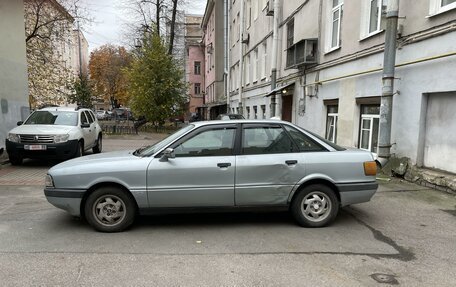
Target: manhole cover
385	278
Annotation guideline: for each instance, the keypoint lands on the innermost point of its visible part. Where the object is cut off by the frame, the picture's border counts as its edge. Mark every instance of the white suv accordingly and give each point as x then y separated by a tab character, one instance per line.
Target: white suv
57	133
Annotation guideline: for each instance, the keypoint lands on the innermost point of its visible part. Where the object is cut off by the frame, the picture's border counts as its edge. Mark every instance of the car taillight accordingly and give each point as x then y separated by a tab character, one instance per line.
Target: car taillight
370	168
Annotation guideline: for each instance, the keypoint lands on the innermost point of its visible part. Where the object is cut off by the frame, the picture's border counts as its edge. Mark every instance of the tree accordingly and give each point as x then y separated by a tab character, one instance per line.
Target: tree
82	92
106	72
156	83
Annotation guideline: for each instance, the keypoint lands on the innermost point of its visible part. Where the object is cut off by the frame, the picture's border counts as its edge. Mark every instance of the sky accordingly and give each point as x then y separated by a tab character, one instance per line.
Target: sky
111	18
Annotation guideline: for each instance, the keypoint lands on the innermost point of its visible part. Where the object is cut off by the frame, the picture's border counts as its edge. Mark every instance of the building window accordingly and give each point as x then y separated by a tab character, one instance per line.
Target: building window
440	6
248	112
331	123
249	13
255	9
290	33
335	24
371	17
264	60
263	111
370	117
197	68
247	70
197	88
255	65
255	112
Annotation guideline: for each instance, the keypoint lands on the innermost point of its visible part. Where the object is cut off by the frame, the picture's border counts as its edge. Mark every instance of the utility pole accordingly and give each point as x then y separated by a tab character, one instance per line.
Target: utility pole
275	46
386	107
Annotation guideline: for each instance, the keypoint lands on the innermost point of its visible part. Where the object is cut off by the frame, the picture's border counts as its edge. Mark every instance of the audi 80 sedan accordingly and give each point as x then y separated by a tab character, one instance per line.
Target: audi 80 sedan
216	165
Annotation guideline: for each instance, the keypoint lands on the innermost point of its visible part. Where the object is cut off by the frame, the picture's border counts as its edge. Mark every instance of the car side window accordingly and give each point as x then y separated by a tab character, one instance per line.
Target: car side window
84	118
265	140
214	142
89	117
304	143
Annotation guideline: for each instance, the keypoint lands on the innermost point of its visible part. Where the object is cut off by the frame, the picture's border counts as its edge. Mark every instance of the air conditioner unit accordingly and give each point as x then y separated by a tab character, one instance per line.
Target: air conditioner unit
270	8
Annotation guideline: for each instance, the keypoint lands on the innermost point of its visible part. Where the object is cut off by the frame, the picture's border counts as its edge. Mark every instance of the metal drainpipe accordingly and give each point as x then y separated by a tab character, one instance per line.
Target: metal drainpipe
241	59
275	45
384	139
226	52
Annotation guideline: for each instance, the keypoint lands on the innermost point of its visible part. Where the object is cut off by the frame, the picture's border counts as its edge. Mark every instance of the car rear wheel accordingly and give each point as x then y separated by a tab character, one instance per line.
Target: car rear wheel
316	205
110	209
99	145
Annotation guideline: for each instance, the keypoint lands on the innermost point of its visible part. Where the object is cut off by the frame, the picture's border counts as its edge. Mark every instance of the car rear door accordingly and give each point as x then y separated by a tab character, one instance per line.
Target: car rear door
201	174
268	167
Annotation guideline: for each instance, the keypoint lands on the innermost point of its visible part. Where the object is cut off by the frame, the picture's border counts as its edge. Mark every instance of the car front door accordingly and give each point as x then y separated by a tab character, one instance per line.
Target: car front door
93	128
200	175
268	167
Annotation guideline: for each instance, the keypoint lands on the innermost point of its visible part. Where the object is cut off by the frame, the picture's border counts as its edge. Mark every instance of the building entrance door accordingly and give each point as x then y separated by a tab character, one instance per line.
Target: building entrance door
287	107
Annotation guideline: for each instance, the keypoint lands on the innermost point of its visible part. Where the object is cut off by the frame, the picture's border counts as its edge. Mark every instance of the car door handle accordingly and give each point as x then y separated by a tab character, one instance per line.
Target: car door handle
291	162
224	164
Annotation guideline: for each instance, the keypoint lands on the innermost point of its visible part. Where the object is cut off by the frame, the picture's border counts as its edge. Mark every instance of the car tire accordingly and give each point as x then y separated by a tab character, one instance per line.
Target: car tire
15	160
80	151
315	205
99	145
110	209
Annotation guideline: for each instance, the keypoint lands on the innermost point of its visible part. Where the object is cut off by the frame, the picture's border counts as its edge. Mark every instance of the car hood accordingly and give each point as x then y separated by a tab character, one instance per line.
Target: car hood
109	158
42	129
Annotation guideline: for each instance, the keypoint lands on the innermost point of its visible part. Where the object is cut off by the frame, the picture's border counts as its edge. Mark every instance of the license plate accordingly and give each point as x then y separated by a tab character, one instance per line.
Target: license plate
35	147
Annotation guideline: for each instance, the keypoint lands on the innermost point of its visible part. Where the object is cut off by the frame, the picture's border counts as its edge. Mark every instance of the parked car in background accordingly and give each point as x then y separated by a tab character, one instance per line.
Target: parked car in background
122	114
220	165
225	117
54	133
103	115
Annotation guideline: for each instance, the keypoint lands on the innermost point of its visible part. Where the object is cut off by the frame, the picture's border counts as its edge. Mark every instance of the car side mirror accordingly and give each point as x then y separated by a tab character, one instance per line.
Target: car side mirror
20	123
167	154
84	126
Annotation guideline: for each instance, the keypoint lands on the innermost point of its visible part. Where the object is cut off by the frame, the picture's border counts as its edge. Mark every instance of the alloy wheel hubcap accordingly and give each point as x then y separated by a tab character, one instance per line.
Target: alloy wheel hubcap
316	206
109	210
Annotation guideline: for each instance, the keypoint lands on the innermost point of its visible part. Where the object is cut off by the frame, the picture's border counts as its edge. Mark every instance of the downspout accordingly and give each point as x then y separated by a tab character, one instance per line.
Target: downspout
275	45
226	39
241	58
386	107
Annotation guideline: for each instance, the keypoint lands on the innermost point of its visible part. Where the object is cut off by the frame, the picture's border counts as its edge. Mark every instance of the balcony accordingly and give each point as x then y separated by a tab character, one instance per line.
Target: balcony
302	53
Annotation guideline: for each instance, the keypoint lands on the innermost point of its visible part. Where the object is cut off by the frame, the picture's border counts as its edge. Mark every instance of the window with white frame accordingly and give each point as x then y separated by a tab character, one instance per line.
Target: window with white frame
255	65
247	70
334	24
440	6
264	60
249	13
255	9
255	112
369	126
263	111
248	112
372	17
331	122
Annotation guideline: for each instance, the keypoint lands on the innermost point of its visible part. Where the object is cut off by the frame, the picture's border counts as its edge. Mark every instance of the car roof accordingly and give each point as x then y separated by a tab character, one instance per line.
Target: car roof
63	109
240	121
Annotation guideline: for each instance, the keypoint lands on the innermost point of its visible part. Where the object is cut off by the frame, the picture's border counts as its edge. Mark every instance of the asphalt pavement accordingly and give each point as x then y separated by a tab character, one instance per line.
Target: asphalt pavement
404	236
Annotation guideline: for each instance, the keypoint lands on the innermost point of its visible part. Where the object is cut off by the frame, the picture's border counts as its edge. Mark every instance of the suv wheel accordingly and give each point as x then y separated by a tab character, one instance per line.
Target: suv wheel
99	145
80	150
110	209
15	160
315	206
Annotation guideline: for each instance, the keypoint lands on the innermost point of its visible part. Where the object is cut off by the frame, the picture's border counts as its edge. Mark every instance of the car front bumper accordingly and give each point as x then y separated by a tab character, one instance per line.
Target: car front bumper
53	151
66	199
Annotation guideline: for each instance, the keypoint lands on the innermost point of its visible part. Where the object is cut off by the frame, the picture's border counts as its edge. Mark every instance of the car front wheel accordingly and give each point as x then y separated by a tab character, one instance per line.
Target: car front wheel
110	209
315	206
99	145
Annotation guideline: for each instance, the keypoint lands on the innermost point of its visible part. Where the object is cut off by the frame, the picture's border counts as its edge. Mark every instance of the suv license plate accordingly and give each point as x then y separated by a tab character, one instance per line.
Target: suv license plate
35	147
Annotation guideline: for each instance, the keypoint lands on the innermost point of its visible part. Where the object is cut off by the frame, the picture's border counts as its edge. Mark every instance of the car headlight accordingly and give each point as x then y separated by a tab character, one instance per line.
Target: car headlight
48	181
61	138
14	138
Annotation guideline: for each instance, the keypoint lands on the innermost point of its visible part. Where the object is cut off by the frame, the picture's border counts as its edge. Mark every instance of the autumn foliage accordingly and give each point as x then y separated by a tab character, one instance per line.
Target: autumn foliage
107	73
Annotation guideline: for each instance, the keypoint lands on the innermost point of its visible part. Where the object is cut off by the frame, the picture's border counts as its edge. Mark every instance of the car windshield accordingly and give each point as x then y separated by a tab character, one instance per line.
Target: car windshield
150	150
63	118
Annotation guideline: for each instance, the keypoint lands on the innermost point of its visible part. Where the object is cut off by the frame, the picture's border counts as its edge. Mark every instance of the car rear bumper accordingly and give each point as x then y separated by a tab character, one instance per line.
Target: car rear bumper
66	199
53	151
356	192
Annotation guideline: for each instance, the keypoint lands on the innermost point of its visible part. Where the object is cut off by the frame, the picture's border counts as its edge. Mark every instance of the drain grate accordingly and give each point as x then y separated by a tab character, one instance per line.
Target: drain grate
385	278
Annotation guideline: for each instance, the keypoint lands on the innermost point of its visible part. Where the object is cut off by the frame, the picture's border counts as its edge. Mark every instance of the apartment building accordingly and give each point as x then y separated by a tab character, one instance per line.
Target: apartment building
330	72
194	66
14	104
213	39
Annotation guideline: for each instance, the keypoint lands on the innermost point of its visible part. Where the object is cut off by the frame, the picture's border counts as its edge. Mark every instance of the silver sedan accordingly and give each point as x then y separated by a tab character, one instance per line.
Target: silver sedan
216	165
